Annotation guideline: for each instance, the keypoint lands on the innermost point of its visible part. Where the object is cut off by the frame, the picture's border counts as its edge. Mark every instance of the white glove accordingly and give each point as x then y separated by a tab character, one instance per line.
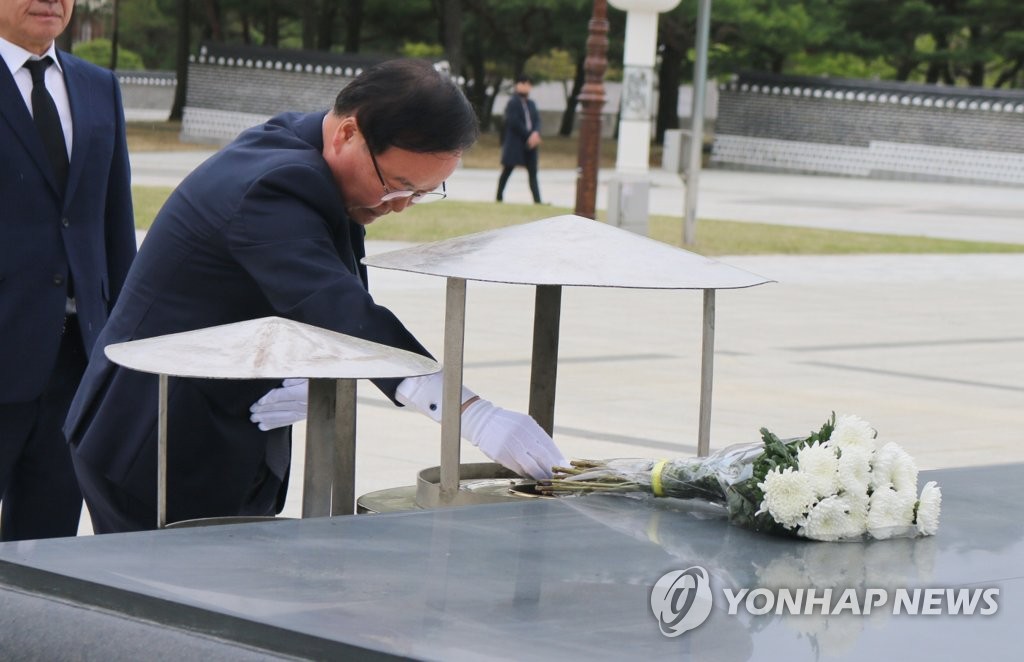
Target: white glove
424	394
281	406
511	439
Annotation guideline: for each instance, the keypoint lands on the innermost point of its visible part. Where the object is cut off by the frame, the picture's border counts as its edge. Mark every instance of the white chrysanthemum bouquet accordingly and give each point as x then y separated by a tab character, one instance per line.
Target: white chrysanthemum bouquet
840	483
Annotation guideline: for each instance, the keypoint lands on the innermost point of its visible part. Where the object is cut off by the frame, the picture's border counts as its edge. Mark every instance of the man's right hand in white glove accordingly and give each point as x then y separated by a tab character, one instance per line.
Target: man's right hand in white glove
511	439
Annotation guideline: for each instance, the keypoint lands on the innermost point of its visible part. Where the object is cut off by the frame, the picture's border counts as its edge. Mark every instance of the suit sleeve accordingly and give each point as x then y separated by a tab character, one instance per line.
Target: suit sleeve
119	215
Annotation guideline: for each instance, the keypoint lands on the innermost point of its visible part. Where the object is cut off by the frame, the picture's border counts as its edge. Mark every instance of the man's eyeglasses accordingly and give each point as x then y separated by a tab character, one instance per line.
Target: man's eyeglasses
415	197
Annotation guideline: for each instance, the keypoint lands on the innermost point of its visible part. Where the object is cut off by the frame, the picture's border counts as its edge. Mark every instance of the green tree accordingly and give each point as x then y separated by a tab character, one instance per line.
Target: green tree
887	30
500	36
98	52
146	27
996	31
765	34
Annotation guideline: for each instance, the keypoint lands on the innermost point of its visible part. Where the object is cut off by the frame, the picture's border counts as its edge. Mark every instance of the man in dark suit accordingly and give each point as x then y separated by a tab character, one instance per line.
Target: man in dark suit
273	225
67	239
521	137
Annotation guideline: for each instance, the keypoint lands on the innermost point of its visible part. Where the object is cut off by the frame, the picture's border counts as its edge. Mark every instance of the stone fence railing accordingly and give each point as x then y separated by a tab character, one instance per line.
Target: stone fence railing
870	129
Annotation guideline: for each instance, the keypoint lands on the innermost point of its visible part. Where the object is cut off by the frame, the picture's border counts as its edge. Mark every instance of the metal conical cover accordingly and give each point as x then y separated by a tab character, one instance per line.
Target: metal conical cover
567	250
267	348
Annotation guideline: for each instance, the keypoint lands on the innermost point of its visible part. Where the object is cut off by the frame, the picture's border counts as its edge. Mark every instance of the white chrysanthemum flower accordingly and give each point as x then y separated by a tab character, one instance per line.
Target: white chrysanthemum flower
888	510
891	465
820	464
855	470
788	495
928	509
850	431
834	518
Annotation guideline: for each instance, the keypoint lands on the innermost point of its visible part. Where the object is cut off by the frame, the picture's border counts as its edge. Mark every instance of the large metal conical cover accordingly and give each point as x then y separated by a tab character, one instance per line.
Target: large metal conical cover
267	348
567	250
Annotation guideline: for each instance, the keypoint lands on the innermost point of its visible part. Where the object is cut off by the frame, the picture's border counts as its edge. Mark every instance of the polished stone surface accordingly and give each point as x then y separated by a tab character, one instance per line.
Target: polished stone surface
565	578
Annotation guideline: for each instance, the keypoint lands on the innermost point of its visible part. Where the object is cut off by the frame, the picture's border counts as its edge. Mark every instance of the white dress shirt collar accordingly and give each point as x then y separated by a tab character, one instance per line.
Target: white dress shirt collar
15	56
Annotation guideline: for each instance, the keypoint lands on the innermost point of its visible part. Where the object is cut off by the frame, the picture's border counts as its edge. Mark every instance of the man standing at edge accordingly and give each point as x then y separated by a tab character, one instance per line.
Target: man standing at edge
274	225
67	239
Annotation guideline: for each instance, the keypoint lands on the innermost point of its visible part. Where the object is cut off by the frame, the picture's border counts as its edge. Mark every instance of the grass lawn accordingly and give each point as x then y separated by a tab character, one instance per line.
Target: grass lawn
451	218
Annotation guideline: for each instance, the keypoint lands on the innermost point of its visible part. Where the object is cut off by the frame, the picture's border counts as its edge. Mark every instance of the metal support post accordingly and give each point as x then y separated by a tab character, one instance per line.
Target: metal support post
700	82
451	398
343	490
544	370
319	470
707	361
161	454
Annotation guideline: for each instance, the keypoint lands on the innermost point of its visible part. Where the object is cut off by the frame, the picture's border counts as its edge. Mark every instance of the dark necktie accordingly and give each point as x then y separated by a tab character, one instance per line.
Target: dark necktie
47	120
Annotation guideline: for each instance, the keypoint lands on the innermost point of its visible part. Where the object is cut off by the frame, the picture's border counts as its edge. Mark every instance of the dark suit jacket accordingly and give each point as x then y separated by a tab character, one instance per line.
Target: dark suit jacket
89	231
259	229
513	145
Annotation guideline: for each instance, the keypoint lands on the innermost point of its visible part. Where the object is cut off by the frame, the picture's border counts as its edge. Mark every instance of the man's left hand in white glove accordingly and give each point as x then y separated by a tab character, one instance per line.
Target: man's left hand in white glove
284	405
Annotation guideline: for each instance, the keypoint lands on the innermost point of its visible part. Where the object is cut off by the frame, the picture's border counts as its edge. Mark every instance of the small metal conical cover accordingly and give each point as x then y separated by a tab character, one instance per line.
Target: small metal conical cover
567	250
268	348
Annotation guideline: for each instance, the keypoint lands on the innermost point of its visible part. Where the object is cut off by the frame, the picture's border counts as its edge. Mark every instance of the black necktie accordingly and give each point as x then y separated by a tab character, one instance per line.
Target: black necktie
44	114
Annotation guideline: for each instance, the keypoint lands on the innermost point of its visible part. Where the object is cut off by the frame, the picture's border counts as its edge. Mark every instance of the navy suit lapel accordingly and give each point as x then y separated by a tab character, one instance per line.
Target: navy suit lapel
15	113
82	99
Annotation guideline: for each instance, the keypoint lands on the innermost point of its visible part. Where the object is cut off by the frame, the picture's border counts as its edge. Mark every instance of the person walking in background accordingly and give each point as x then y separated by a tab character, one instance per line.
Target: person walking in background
67	239
521	137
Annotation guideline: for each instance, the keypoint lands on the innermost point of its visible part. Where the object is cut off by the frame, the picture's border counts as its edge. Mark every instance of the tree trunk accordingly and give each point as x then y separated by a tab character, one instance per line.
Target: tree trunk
451	34
271	28
309	17
65	40
181	61
569	116
325	36
669	77
213	21
477	92
1008	75
976	73
243	14
115	32
904	69
353	25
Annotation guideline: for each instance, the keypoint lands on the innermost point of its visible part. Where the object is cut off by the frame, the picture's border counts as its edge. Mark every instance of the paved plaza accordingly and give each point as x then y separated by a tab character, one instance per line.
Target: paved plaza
929	348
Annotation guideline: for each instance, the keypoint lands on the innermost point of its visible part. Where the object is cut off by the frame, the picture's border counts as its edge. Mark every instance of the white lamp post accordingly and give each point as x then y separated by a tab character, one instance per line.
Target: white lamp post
629	191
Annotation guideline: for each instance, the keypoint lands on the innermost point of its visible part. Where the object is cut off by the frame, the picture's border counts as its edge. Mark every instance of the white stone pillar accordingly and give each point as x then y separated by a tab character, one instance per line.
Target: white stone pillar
638	82
630	189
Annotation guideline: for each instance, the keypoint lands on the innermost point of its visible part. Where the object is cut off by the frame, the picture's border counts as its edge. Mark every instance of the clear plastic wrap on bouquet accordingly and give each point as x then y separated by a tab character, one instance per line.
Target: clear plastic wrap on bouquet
838	483
721	478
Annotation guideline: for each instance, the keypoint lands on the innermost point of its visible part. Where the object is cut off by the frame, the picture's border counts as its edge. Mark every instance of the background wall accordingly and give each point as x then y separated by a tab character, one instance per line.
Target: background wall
231	88
870	129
